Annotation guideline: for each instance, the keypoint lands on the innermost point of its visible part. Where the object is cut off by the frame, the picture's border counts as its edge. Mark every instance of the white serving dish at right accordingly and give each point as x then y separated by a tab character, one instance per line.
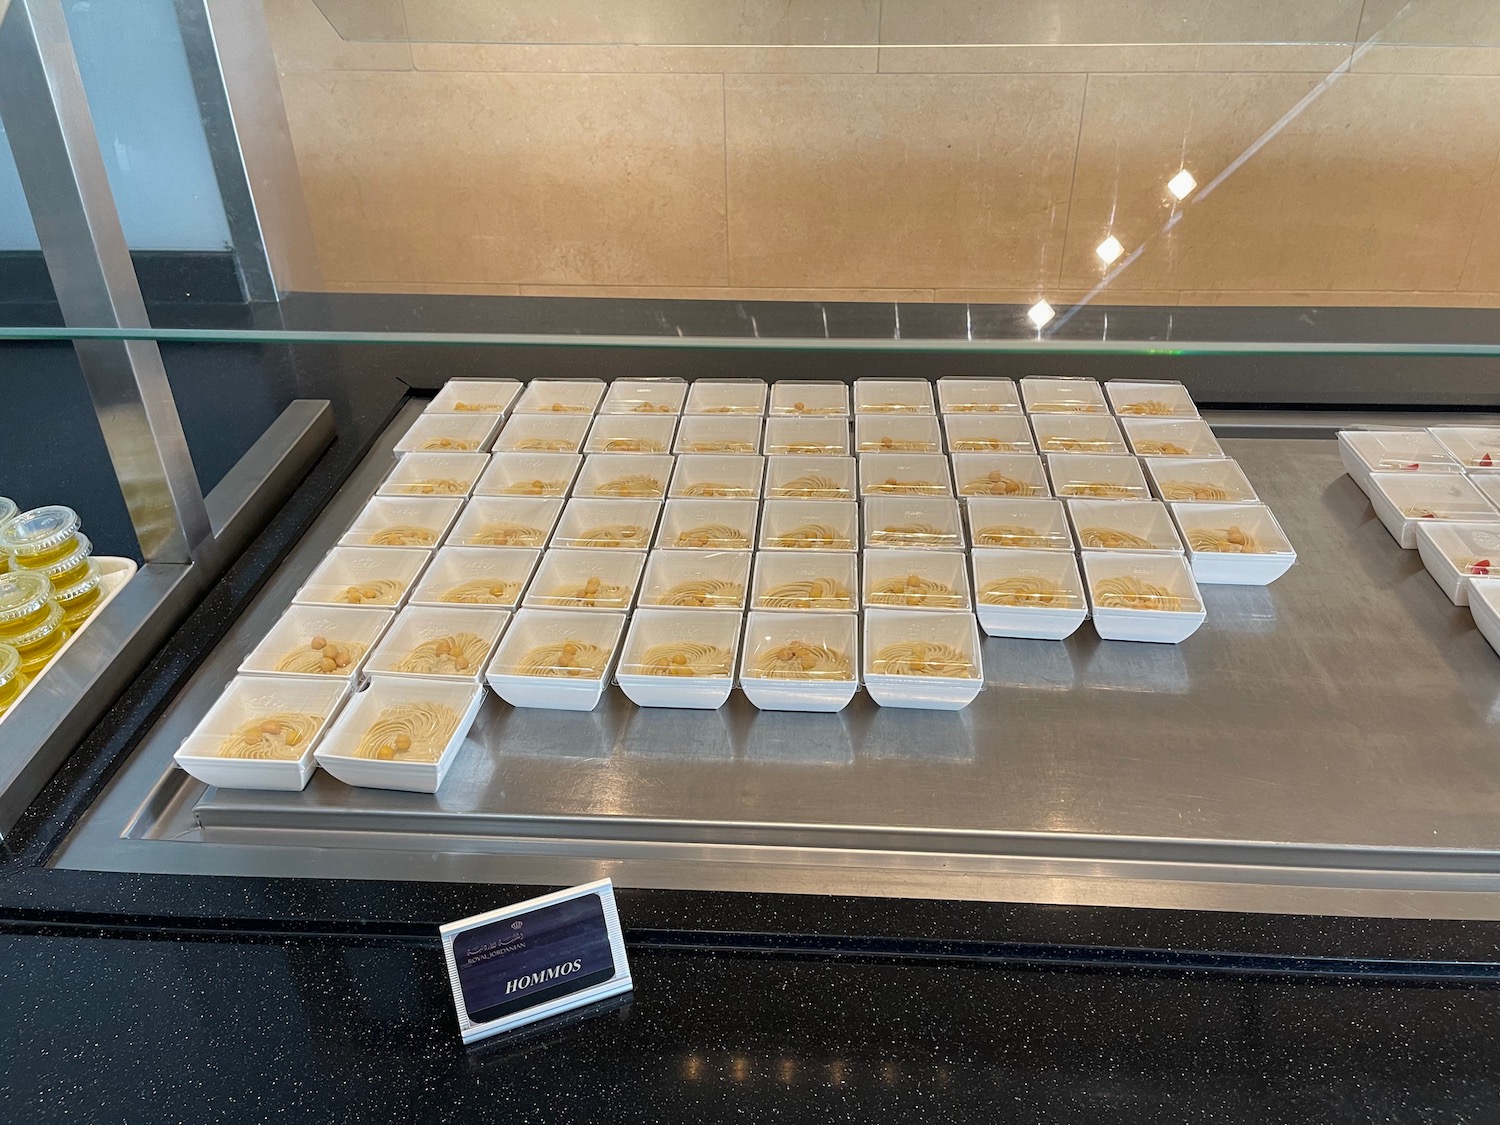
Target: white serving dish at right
1402	500
1484	604
562	681
641	676
717	477
1392	451
987	433
809	525
806	582
1164	572
625	476
1476	448
726	396
1261	555
528	474
300	625
897	637
696	580
791	476
769	633
481	577
1050	607
425	770
1018	524
402	521
361	576
252	699
573	578
607	524
1456	554
505	521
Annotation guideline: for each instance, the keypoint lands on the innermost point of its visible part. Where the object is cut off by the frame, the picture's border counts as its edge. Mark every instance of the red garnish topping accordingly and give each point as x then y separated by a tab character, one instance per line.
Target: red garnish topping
1486	462
1480	567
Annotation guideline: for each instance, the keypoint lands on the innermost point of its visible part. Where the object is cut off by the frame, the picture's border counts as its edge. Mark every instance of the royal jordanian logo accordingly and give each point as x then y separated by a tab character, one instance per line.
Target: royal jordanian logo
530	980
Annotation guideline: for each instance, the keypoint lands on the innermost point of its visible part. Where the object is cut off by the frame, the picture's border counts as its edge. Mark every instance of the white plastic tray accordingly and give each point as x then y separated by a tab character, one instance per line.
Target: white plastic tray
818	581
566	573
560	397
987	433
712	476
450	433
726	396
417	625
474	396
958	394
1025	524
336	752
644	396
1009	475
531	628
649	627
905	573
927	522
542	433
1077	433
808	399
508	568
631	433
505	522
678	574
345	567
831	478
1273	555
1403	500
782	521
885	627
893	396
719	434
766	631
1135	398
1057	617
246	699
807	437
708	525
1171	437
1147	520
434	474
1164	571
300	624
1456	554
1050	394
904	474
529	474
897	433
624	476
1208	480
428	519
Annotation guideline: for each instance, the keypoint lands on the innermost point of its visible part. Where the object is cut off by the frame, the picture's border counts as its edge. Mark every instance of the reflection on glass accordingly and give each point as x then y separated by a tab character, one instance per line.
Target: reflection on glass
1109	250
1182	184
796	737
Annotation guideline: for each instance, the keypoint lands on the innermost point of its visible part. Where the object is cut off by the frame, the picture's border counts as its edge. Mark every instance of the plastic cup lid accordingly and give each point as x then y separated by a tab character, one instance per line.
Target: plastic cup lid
7	508
62	565
38	530
80	588
10	664
22	593
43	631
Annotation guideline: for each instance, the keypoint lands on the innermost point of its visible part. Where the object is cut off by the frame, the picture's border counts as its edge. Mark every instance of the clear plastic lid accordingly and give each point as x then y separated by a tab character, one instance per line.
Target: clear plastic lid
51	624
10	665
76	591
68	562
22	594
39	530
7	508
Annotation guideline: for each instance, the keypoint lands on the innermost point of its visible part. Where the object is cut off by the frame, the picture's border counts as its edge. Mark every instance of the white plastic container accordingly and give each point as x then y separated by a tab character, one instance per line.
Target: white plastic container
1392	451
696	580
474	396
706	433
607	524
1484	604
529	474
1456	554
624	476
713	476
1402	500
1123	525
1258	550
399	521
459	575
925	522
922	640
780	637
505	521
705	642
1166	580
897	433
354	629
726	396
904	578
1102	476
793	477
1171	437
987	433
810	399
1211	480
1051	394
821	437
368	576
806	582
1476	448
560	396
251	699
631	433
1031	525
1034	595
1488	485
1011	475
339	751
542	433
893	396
644	396
593	580
1133	398
708	525
1077	433
434	474
809	525
416	626
450	433
578	678
959	394
904	474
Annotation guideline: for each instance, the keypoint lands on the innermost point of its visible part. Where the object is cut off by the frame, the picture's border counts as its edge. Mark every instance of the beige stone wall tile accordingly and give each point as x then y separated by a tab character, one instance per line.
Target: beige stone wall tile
1403	58
898	181
499	179
753	22
582	58
302	40
1119	21
1440	23
726	293
1049	58
1377	185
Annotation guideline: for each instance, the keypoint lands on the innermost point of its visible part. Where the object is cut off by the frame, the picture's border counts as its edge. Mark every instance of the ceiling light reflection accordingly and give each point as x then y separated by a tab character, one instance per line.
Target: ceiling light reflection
1109	250
1040	313
1182	184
